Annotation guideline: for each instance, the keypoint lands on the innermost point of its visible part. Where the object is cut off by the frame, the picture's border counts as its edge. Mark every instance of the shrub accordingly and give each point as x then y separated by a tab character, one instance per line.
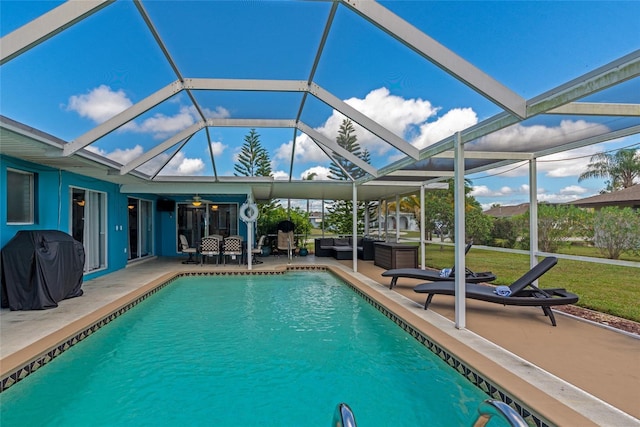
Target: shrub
504	233
616	230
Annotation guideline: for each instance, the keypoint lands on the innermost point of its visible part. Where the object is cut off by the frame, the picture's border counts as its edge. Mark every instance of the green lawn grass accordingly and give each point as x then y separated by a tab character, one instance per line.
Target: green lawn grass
605	288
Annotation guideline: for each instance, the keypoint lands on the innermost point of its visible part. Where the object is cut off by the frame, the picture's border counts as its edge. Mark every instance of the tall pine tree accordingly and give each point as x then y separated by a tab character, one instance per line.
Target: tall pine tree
348	140
340	214
253	159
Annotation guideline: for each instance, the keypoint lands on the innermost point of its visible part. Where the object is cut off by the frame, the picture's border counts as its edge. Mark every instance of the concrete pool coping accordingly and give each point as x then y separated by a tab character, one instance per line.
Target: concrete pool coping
28	335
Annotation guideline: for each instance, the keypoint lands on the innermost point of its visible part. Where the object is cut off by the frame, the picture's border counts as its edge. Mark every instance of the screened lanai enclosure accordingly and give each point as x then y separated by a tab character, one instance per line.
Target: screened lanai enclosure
157	97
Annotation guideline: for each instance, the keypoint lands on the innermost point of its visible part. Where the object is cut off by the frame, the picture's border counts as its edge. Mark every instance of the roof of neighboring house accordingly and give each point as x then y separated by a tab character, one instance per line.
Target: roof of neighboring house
507	211
626	197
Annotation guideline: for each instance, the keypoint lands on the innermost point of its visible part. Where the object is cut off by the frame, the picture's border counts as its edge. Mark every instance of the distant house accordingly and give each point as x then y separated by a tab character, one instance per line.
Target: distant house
629	197
316	219
507	211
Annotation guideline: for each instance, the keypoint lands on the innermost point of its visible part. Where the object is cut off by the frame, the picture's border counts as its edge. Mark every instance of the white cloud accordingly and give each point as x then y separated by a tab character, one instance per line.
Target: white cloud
280	175
306	151
567	163
505	191
502	192
451	122
100	104
218	113
558	165
404	117
481	191
507	196
557	198
573	190
400	116
521	138
218	148
162	126
181	165
321	173
189	166
119	155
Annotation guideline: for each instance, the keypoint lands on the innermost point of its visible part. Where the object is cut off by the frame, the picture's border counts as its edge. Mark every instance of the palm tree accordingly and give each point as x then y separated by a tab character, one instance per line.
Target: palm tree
621	168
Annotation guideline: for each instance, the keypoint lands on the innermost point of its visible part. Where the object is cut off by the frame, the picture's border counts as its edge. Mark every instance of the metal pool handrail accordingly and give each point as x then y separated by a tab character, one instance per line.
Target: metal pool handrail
343	416
490	407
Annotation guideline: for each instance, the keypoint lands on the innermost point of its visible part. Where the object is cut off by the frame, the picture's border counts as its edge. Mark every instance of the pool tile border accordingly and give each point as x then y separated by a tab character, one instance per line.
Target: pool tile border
475	378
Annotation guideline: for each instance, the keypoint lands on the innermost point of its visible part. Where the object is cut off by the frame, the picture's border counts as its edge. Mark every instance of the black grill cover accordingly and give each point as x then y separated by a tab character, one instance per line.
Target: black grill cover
41	268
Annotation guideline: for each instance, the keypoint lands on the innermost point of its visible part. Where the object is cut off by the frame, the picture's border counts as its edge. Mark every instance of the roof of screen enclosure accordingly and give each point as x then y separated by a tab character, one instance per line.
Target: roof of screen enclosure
608	96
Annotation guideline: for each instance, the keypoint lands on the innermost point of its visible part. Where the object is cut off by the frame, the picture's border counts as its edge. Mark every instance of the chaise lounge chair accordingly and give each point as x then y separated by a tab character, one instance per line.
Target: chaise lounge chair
516	294
437	276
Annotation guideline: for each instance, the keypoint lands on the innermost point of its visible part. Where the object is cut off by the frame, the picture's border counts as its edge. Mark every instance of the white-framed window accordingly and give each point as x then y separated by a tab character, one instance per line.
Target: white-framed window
20	197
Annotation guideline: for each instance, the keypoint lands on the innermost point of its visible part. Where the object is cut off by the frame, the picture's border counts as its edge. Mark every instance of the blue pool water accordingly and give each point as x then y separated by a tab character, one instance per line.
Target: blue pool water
245	351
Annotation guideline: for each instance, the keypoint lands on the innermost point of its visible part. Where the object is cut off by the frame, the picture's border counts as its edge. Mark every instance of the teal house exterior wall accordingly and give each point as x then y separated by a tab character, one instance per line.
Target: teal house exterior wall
52	202
52	212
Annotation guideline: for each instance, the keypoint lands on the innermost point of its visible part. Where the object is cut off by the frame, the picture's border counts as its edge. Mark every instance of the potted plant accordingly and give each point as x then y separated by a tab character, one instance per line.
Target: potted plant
303	248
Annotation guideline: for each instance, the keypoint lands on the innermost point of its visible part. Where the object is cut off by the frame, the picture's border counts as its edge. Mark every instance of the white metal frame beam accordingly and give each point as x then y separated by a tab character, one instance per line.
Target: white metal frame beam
237	85
257	123
611	74
459	221
354	227
486	155
420	173
438	54
162	147
46	26
313	89
533	213
598	109
333	146
364	121
122	118
246	85
169	158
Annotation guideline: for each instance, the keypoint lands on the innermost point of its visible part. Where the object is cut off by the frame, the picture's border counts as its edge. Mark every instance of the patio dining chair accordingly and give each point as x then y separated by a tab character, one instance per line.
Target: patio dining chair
186	249
210	247
232	247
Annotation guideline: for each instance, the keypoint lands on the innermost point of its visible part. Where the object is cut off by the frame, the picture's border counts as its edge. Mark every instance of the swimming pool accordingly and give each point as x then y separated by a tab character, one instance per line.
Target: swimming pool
245	350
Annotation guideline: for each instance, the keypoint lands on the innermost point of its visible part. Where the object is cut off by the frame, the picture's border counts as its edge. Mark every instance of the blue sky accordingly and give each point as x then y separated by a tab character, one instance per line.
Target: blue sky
76	80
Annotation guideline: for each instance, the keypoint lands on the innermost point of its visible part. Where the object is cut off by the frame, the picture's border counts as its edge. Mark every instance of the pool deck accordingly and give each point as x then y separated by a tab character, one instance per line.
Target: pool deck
578	373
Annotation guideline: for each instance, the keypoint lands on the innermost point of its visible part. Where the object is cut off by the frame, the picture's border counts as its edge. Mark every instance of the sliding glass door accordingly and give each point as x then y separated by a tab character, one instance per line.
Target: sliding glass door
140	228
196	222
88	226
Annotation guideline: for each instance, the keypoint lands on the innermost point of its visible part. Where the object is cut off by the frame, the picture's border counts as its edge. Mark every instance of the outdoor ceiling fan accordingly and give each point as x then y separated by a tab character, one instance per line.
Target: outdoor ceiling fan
197	201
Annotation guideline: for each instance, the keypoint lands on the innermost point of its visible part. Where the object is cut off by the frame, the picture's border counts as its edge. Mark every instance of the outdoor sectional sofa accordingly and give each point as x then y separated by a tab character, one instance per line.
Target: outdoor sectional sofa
342	248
